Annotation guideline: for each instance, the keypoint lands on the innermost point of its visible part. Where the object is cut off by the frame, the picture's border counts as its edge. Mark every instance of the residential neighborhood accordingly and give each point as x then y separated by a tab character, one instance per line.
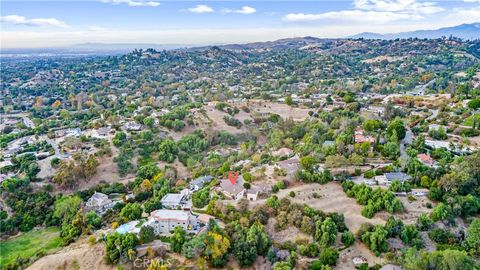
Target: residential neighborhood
297	153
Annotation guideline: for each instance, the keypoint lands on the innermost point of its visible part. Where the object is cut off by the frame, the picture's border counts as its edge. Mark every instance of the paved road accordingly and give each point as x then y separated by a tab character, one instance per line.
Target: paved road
433	116
420	89
55	147
28	122
406	141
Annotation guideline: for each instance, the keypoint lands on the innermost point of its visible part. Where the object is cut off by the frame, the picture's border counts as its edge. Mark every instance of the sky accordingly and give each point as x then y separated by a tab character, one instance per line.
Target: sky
40	24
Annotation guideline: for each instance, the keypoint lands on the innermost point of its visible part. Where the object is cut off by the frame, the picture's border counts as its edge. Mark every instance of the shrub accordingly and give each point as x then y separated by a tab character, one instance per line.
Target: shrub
328	256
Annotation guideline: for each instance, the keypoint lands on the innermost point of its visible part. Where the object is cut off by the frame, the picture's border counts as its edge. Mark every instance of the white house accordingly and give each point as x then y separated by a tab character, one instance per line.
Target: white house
99	203
132	126
174	200
164	221
252	194
419	192
388	178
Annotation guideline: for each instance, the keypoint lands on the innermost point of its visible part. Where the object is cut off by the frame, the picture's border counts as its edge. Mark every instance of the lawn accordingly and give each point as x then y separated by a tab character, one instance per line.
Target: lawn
30	244
469	120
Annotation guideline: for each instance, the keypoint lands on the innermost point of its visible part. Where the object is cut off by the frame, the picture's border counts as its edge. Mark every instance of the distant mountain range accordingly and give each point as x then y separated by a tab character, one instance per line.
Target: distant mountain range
463	31
285	43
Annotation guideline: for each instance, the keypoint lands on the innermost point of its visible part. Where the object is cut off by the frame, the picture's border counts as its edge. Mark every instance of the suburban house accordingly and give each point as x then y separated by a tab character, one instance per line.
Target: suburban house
200	182
283	152
426	159
252	194
132	126
369	182
328	143
234	192
360	137
101	132
290	165
71	132
419	192
99	203
242	163
452	147
388	178
374	109
164	221
175	201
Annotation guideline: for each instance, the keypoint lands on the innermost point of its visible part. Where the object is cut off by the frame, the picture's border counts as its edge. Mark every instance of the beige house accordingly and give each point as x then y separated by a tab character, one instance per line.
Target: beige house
233	191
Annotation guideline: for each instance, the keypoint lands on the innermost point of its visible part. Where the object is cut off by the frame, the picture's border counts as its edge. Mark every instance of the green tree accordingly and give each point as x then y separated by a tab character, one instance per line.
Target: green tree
396	126
131	211
289	100
376	240
307	162
178	238
146	234
118	246
119	139
473	236
66	208
474	103
93	220
201	198
168	150
149	121
391	150
348	239
372	124
328	256
329	232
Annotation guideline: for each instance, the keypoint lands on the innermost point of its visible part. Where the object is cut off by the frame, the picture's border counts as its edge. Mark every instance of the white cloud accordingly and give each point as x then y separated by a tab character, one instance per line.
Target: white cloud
133	3
404	6
201	9
466	15
351	16
373	11
21	20
472	1
97	28
243	10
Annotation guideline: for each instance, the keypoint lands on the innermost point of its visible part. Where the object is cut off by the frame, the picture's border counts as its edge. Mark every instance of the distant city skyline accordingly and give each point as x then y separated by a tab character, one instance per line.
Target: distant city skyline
37	24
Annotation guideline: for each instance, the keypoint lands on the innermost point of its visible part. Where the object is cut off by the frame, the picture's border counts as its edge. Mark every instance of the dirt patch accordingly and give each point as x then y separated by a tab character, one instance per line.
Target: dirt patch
282	109
79	255
413	209
329	198
289	234
386	58
46	170
357	249
182	170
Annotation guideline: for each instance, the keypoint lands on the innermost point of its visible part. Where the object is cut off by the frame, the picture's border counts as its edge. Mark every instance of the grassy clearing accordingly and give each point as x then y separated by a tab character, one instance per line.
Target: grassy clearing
27	245
469	120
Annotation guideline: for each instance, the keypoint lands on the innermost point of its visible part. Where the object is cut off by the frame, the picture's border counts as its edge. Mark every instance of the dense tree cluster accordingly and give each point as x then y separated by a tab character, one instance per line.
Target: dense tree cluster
374	200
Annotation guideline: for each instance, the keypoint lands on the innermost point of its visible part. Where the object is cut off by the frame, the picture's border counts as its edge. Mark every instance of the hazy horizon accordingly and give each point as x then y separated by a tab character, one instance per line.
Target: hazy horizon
45	24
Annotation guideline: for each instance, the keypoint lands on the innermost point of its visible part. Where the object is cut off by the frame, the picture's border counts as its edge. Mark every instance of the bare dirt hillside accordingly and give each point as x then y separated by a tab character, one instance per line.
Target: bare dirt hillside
79	255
